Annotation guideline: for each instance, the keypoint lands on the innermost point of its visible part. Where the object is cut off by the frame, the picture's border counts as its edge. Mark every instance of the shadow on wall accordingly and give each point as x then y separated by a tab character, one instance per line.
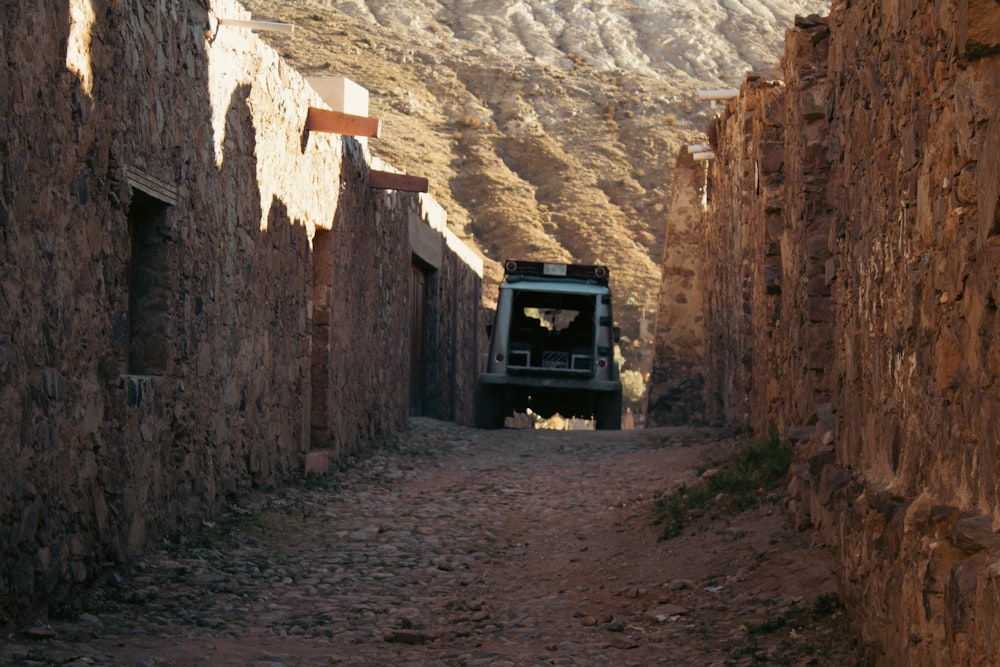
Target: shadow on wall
171	355
161	365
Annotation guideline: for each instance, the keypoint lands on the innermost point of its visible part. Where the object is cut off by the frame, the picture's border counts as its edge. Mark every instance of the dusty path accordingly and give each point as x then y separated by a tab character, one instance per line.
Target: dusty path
460	547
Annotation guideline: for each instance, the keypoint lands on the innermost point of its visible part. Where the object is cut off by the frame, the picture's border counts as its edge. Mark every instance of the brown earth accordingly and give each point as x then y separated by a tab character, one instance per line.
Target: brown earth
452	546
547	130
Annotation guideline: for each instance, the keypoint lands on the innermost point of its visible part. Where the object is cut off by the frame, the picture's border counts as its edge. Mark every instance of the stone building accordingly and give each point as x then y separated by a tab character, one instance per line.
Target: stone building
197	293
848	293
675	393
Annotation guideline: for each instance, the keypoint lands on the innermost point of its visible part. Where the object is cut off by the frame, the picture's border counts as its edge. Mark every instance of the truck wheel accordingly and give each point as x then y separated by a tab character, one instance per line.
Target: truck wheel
489	407
609	412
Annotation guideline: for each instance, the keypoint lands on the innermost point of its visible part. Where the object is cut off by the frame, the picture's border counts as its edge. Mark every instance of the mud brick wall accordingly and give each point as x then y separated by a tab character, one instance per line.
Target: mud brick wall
851	281
161	208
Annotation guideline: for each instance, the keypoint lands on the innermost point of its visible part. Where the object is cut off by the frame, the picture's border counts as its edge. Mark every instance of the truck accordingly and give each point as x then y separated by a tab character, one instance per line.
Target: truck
552	346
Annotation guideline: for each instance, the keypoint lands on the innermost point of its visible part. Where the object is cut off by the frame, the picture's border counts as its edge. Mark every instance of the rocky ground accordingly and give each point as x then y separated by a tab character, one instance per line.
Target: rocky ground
451	546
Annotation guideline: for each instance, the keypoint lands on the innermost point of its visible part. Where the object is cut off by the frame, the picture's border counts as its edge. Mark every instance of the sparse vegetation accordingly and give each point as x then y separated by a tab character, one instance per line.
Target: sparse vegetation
736	484
799	624
633	389
469	121
586	122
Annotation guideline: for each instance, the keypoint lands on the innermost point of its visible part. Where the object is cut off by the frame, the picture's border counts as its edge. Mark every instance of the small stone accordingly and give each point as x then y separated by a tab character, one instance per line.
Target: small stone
667	611
734	533
408	636
40	632
622	643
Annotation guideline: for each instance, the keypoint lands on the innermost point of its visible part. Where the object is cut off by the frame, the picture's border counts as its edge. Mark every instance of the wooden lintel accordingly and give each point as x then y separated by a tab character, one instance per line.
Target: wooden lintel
151	185
338	122
386	180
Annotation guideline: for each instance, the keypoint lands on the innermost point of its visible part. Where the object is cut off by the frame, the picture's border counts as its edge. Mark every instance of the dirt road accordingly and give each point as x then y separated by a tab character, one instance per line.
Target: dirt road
453	546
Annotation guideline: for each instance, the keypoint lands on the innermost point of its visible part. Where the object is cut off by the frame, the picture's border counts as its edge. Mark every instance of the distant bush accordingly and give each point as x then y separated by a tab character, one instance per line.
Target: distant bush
470	121
633	389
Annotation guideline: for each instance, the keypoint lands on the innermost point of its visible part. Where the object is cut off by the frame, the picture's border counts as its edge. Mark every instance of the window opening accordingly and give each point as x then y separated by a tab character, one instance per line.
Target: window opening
552	330
148	286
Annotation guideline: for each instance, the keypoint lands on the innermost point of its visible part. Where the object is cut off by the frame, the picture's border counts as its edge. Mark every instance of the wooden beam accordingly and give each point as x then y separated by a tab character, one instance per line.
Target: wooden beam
718	94
151	185
338	122
258	25
386	180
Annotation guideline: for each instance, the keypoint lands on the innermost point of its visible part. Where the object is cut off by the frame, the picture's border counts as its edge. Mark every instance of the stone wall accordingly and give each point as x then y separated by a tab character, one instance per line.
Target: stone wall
769	305
677	384
173	244
851	278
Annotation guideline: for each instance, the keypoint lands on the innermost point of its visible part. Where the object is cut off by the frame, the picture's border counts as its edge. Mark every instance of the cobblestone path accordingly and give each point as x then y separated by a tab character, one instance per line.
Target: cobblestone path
453	546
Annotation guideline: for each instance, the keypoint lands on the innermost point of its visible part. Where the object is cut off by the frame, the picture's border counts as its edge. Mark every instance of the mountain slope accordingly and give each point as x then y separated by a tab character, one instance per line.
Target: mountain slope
548	129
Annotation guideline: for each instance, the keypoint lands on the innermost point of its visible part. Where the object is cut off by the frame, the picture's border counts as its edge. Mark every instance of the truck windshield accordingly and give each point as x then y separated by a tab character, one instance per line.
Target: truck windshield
552	330
555	313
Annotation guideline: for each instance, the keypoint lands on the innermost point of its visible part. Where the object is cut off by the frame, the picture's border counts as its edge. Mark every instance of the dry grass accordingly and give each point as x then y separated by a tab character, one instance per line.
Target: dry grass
508	191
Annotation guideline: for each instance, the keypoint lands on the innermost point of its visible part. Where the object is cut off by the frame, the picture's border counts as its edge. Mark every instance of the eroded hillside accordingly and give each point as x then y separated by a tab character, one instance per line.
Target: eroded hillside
547	129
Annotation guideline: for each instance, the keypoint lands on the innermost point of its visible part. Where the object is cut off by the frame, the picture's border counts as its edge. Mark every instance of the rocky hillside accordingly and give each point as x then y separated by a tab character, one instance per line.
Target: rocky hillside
548	129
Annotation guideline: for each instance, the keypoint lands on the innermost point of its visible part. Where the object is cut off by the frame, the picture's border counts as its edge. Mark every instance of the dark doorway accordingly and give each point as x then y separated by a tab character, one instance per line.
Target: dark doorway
322	288
420	296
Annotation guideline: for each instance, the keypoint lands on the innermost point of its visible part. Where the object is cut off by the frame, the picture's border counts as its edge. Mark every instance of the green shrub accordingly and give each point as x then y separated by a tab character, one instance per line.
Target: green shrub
738	484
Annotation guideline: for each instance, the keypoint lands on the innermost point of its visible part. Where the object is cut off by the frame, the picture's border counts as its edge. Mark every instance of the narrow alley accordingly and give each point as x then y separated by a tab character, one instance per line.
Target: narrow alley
452	546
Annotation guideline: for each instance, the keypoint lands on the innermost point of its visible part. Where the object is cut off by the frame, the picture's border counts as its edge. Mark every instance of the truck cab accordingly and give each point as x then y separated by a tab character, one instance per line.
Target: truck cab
551	346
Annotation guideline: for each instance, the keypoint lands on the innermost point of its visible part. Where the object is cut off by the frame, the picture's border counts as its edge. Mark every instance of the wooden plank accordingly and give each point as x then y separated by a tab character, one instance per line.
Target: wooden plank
151	185
386	180
338	122
258	25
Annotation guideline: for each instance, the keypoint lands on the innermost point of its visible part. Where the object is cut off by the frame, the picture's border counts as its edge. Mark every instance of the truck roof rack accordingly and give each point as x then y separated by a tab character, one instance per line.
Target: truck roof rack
515	268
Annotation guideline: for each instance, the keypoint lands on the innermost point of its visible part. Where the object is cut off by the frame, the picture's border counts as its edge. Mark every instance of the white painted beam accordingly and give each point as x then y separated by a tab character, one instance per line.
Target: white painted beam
718	94
258	25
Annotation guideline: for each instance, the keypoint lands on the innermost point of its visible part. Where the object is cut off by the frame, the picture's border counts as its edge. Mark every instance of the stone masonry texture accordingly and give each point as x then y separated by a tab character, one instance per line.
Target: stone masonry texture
851	278
188	275
677	381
